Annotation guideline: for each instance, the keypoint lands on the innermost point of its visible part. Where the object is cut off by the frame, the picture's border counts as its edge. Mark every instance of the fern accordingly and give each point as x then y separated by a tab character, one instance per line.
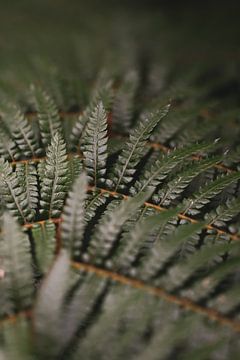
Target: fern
8	148
73	217
175	187
123	247
131	155
94	144
54	183
123	105
13	193
47	114
161	168
102	94
25	137
75	167
224	213
163	251
17	284
27	177
47	314
137	238
44	244
110	226
208	192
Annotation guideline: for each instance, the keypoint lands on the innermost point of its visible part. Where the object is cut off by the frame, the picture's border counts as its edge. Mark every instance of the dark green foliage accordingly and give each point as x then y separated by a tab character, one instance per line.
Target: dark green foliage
94	144
55	178
73	216
47	115
17	284
134	149
119	214
14	193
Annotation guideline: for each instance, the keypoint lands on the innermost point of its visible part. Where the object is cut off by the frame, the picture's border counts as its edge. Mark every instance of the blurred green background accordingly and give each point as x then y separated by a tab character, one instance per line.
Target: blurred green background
73	40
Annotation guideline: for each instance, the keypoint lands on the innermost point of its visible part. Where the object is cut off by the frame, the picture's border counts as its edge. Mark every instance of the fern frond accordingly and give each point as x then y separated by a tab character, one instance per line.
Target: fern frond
206	286
73	217
17	285
27	176
102	94
24	136
47	311
44	244
110	226
8	148
205	195
75	167
47	115
161	168
123	105
175	187
179	273
130	156
94	144
164	249
16	340
224	213
55	180
94	201
13	193
137	238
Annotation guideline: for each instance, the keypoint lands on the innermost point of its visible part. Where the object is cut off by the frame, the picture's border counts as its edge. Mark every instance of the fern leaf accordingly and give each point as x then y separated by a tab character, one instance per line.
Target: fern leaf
94	144
54	183
179	273
174	188
102	94
8	148
224	213
203	288
75	167
27	176
47	311
73	217
110	226
123	105
137	238
47	114
25	137
161	168
128	159
164	249
88	295
205	195
44	244
14	194
17	283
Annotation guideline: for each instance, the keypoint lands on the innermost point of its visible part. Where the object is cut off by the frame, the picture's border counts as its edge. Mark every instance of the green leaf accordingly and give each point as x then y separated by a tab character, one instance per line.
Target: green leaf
134	149
55	180
24	136
111	224
102	94
175	187
73	221
137	238
94	144
14	194
162	168
47	114
204	196
27	176
44	244
17	285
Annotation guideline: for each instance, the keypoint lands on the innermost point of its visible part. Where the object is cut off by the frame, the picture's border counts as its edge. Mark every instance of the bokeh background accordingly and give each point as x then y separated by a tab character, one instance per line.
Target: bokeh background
71	40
